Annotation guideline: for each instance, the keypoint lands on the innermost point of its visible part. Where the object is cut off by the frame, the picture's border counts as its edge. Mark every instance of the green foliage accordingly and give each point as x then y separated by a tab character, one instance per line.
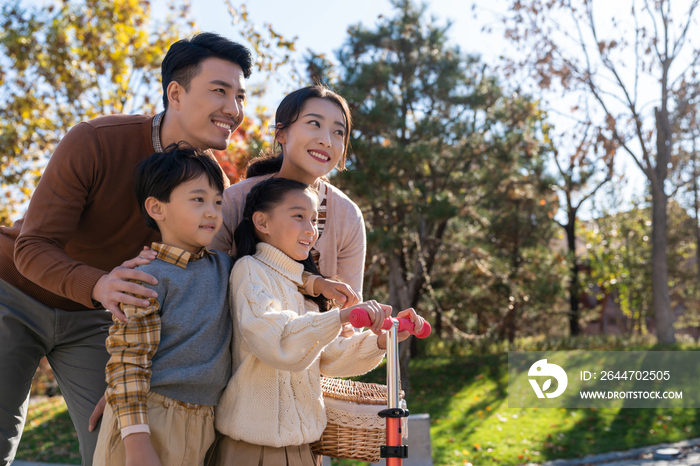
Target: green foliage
618	251
449	172
61	64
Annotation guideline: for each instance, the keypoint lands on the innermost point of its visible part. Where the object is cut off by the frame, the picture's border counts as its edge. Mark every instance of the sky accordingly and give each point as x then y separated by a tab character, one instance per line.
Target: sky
322	27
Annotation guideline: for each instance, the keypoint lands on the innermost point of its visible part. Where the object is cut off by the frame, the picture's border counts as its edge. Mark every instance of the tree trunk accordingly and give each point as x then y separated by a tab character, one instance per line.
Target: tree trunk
659	241
574	293
438	323
511	326
659	272
696	208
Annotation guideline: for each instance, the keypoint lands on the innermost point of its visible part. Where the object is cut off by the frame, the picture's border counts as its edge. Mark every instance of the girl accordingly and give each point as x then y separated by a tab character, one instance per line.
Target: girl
312	127
273	407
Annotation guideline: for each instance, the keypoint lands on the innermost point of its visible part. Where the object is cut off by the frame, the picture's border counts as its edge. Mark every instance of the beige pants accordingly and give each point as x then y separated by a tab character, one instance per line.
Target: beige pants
229	452
180	435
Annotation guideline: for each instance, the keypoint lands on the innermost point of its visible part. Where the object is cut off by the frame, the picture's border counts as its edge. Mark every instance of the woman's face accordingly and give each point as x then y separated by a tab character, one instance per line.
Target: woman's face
291	225
313	145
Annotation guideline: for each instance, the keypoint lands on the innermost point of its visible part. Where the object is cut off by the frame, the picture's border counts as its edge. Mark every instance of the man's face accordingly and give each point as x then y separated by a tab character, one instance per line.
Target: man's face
212	107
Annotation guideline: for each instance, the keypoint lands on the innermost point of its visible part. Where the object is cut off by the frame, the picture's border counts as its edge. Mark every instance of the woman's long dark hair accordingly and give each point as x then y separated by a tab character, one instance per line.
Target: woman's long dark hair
264	197
287	113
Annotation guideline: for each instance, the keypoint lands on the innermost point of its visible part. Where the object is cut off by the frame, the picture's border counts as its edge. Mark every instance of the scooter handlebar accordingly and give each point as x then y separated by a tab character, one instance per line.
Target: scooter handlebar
359	318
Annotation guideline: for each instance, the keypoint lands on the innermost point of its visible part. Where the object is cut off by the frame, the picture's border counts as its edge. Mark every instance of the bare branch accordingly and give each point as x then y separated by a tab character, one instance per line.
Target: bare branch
678	45
590	194
656	29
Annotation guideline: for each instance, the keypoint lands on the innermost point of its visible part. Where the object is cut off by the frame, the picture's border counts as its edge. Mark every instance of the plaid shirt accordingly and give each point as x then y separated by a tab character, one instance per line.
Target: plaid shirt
132	345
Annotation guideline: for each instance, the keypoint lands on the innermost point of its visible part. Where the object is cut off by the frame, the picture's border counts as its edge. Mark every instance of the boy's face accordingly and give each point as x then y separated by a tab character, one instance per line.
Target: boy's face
212	108
192	217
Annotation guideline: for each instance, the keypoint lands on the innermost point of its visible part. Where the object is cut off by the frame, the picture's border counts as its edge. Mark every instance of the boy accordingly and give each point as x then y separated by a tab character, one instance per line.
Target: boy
63	264
171	359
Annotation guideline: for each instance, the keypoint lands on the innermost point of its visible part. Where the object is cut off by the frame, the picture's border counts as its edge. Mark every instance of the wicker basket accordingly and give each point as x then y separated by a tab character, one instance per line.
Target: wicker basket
354	429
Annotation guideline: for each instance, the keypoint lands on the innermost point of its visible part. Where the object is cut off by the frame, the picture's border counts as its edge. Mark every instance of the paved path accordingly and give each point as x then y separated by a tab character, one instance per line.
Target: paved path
644	456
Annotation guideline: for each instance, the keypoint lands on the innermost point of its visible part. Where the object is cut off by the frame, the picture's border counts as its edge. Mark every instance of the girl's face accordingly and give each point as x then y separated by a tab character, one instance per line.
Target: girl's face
291	225
313	145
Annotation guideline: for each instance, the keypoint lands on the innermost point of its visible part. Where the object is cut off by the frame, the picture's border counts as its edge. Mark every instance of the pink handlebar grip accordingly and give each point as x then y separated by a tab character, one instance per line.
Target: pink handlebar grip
359	318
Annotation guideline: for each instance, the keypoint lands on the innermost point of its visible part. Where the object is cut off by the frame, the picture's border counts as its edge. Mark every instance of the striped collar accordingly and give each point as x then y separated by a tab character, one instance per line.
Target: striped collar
177	256
155	132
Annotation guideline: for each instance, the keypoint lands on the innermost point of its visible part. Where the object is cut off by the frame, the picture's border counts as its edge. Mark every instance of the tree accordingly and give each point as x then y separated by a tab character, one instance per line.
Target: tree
579	180
618	252
428	120
613	66
519	234
61	64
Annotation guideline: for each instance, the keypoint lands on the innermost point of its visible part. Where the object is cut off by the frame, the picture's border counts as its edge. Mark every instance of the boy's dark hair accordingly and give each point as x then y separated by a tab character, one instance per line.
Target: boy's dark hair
264	197
184	58
287	113
162	172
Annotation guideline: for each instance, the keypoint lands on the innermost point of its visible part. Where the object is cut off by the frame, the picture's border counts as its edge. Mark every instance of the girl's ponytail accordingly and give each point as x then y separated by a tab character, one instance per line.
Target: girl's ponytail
264	165
244	238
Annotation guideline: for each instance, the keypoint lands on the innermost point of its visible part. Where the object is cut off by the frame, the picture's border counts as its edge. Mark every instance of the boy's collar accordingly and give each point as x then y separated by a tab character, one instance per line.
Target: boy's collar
177	256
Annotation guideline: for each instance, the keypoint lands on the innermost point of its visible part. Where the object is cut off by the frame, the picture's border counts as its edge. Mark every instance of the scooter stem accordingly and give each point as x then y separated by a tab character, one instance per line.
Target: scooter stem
394	450
392	365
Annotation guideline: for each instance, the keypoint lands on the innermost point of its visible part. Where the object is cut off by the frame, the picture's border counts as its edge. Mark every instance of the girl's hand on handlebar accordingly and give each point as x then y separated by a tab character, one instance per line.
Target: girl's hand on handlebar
410	314
377	312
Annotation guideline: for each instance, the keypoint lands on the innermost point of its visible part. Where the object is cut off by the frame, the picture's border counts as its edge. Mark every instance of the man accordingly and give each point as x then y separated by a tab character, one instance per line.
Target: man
84	220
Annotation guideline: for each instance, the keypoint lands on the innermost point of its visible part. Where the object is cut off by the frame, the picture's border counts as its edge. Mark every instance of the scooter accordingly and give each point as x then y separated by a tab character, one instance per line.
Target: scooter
394	451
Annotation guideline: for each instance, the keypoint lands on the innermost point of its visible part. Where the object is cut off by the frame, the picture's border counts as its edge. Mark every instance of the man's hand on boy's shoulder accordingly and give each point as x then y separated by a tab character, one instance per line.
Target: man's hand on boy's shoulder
140	451
118	286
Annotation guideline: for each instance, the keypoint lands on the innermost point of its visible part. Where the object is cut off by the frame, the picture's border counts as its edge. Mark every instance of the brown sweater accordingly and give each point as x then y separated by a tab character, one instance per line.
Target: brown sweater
83	219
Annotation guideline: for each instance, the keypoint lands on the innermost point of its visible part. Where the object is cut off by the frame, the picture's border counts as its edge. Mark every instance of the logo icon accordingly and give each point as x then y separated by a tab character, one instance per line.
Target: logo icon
542	368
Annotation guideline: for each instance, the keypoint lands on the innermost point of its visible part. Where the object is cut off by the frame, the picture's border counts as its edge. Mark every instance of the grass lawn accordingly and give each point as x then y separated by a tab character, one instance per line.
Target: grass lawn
471	423
49	434
466	397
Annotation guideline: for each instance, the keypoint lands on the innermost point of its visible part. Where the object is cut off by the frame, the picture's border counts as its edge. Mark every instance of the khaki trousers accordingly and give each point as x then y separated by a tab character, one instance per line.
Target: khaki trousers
229	452
180	435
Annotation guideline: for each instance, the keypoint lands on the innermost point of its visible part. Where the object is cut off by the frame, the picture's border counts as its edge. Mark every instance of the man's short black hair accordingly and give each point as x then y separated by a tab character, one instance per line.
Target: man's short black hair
184	58
162	172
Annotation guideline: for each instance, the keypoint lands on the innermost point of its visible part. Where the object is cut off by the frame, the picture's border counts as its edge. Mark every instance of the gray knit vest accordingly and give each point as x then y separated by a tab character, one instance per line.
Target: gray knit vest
193	361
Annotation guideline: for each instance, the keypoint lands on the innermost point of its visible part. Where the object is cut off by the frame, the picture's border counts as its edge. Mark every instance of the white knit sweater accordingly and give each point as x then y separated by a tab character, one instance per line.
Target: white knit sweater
281	345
